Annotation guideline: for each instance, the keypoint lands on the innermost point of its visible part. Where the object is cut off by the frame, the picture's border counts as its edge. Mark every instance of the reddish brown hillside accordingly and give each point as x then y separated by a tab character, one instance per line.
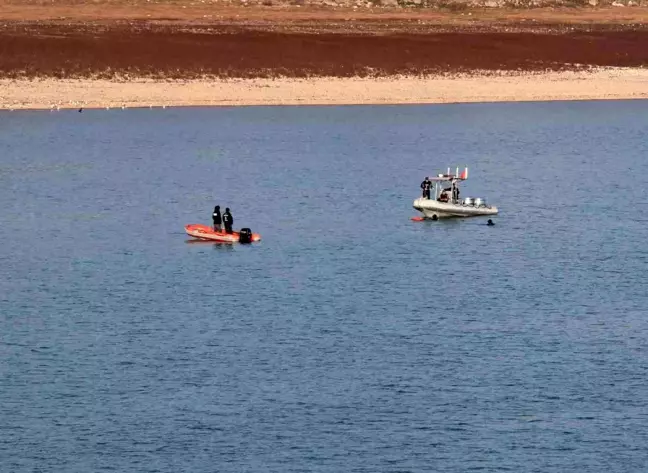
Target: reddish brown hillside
114	38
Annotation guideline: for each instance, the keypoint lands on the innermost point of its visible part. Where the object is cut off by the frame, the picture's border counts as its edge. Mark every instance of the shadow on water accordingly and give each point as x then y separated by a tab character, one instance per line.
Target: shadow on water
216	244
441	221
480	220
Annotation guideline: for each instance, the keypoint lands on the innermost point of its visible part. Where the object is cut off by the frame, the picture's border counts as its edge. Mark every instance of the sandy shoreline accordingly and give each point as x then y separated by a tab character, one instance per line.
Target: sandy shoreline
610	83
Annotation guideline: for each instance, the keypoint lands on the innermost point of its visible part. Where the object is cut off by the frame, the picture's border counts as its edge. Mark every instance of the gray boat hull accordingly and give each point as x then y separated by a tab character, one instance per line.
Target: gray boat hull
435	209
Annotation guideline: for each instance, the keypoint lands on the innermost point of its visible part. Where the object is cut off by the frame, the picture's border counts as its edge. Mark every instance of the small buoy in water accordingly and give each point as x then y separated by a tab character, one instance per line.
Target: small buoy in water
490	223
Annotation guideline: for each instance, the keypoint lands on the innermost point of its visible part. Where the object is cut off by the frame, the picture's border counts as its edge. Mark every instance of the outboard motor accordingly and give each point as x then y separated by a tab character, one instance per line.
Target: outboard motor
245	235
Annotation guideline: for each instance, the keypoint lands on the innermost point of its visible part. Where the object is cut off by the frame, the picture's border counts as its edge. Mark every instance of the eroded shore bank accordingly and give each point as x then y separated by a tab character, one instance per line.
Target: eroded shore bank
118	53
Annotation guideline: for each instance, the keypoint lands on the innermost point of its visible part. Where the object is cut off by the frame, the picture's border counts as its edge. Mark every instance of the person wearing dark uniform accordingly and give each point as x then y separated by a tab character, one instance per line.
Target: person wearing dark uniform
425	185
455	193
228	221
216	217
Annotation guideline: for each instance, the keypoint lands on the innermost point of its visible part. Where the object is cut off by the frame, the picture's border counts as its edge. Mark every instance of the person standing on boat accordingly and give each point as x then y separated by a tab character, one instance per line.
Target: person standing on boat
455	192
228	221
425	185
216	217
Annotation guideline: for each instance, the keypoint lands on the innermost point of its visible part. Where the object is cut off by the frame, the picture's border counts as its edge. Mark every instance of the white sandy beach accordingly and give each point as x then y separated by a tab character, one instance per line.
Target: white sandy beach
611	83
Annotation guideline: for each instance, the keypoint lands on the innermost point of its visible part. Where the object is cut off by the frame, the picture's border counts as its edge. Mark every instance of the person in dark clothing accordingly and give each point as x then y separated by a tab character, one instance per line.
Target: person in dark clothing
216	217
228	221
425	185
490	223
455	193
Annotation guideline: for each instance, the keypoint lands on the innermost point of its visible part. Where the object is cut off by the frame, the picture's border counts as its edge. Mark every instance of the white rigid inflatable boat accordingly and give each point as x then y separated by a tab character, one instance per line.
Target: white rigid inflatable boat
444	202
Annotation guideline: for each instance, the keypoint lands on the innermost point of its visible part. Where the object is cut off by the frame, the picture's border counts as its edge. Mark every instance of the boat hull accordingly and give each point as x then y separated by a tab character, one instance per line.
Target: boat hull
206	233
435	209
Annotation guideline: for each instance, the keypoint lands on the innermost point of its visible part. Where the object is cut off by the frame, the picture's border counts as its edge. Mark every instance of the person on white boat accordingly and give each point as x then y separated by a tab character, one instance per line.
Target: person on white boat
444	195
216	218
426	185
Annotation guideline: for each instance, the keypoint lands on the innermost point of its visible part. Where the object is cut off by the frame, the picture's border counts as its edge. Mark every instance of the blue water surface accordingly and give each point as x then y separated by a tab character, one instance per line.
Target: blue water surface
350	339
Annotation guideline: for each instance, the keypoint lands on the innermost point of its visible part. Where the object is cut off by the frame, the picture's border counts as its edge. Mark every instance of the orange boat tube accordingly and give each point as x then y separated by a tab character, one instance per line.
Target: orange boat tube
204	232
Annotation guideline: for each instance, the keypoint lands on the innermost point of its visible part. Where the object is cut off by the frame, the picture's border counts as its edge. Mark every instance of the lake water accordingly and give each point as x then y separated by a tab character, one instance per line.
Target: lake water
350	339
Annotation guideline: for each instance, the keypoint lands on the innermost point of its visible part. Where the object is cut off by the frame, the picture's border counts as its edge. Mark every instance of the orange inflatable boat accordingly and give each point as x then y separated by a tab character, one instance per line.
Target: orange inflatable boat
204	232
